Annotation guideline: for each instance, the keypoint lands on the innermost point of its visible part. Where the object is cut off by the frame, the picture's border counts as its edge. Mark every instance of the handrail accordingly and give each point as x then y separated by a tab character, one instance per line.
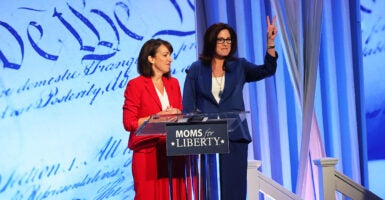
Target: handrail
330	182
259	183
342	183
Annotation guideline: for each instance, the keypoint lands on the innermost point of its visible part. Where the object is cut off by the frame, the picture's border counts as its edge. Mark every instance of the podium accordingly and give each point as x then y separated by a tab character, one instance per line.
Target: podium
200	137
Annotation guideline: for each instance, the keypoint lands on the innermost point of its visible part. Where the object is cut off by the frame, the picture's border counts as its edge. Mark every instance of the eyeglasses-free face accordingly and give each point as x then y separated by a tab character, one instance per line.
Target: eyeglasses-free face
221	40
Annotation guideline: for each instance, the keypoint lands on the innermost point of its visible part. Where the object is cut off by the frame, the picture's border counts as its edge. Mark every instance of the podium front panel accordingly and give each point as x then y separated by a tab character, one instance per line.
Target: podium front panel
197	138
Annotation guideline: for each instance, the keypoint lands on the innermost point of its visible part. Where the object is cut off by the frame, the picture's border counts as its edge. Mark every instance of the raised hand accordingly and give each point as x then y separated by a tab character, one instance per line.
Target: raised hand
272	30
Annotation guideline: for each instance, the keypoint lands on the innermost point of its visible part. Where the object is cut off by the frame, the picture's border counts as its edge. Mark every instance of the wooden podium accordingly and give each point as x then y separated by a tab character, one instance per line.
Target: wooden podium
200	137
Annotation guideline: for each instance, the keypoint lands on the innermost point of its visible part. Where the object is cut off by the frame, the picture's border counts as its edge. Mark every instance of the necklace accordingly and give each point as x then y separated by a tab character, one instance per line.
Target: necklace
220	84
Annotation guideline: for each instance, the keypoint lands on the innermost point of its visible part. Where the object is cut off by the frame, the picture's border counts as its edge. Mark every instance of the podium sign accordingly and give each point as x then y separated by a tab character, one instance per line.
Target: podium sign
197	138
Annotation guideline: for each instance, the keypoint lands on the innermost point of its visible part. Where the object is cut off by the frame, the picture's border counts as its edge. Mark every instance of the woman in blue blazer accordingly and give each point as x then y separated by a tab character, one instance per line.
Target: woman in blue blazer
214	84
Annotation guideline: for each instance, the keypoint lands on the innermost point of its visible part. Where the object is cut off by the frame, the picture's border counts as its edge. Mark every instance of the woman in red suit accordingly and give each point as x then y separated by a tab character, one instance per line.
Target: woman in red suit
154	91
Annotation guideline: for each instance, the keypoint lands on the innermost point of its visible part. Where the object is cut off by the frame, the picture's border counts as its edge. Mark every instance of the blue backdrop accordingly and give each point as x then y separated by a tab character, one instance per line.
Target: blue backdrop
373	43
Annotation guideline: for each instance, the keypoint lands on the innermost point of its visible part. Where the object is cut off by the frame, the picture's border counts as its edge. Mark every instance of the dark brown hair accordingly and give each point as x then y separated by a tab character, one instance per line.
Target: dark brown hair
210	42
150	48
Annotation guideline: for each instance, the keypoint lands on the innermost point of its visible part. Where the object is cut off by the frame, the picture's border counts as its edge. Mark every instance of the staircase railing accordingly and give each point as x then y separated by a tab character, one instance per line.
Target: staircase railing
259	183
330	181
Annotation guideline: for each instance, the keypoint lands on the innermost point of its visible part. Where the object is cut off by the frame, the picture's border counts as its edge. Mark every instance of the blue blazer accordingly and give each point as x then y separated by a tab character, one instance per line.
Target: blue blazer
197	95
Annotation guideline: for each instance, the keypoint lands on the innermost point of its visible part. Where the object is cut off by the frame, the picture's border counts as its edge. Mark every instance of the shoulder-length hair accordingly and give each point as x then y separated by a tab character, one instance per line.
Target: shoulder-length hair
150	48
210	42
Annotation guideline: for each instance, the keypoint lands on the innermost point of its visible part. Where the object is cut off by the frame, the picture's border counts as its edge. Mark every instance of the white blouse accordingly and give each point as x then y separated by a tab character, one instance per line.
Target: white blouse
217	86
163	98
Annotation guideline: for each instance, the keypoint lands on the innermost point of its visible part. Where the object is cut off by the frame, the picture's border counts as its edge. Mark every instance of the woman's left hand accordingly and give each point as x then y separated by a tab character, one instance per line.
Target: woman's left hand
272	30
172	110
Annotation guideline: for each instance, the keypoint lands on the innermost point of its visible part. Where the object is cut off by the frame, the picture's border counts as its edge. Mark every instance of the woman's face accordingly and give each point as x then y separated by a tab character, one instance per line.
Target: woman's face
223	46
161	62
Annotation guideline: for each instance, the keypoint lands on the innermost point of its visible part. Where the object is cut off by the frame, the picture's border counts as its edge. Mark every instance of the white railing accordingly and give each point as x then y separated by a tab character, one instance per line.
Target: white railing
259	183
332	181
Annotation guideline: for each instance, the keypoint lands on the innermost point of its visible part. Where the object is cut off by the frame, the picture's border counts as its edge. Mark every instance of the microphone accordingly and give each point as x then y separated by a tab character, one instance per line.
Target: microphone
192	85
187	70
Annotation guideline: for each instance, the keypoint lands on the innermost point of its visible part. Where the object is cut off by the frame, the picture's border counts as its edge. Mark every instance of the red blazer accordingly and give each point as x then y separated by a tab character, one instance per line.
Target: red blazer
141	100
149	160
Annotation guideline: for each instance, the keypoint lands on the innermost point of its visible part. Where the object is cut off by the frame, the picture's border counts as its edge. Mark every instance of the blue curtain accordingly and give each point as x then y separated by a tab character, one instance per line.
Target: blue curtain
312	107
